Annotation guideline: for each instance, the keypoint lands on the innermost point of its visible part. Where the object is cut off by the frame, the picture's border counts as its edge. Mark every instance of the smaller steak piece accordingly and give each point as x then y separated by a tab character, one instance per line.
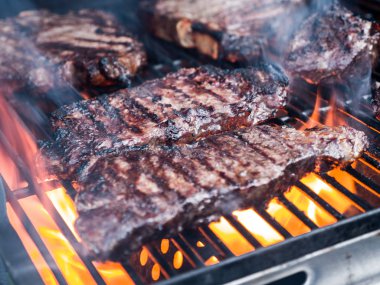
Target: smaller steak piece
333	43
90	46
180	107
229	30
87	49
131	199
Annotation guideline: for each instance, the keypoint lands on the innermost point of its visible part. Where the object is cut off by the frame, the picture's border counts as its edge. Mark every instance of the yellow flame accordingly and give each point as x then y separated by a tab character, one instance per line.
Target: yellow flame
286	218
339	201
156	272
258	227
211	261
313	211
165	246
178	260
231	237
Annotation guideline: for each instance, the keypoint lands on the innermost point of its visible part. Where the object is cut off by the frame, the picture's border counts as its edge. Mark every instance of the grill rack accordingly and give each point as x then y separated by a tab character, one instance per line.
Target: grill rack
231	267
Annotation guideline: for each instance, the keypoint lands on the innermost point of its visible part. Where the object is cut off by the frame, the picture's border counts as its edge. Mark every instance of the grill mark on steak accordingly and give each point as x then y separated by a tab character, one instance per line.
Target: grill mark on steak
257	150
136	118
179	168
153	117
120	210
210	168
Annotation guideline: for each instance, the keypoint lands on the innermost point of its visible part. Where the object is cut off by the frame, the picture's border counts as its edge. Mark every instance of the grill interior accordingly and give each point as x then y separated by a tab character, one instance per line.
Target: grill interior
319	211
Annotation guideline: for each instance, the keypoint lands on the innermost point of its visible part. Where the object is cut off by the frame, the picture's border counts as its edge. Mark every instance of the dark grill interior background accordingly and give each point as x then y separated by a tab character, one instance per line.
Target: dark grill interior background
199	247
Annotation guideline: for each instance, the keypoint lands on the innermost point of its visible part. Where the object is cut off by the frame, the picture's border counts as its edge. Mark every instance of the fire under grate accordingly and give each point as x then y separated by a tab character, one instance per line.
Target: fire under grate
321	210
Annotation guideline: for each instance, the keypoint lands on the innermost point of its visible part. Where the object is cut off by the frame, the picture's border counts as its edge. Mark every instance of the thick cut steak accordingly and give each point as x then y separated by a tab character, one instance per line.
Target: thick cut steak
127	200
87	49
333	43
231	30
180	107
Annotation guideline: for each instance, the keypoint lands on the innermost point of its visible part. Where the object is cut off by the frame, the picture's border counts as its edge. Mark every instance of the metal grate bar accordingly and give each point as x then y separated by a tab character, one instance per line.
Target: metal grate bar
371	161
216	241
243	231
166	268
33	233
11	243
192	237
360	202
182	244
132	273
25	192
295	112
320	201
270	220
300	215
363	179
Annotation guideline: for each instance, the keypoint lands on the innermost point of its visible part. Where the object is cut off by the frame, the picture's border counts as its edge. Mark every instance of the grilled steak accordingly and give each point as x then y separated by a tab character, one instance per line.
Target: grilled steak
87	49
180	107
332	43
231	30
127	200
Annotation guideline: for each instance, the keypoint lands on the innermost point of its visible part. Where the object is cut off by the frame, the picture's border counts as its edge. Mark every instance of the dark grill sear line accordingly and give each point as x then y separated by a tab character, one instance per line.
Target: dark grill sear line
186	109
127	200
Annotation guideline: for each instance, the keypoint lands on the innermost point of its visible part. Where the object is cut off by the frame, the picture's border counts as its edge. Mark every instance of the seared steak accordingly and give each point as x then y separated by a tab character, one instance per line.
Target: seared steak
127	200
87	49
231	30
180	107
333	43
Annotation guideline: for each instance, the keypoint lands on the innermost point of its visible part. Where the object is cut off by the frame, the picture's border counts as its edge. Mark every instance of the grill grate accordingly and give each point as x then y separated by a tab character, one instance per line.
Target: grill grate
202	247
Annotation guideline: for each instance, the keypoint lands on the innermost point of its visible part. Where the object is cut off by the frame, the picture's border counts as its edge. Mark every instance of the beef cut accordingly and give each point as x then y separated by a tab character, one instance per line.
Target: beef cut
87	49
333	43
181	107
127	200
231	30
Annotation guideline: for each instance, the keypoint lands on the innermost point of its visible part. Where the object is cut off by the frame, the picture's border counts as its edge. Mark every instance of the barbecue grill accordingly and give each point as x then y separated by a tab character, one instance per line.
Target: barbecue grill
325	230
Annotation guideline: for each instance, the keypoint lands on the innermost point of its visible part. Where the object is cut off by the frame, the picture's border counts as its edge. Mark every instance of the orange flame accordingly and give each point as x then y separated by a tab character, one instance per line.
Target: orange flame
341	203
286	218
231	237
19	141
258	227
333	116
314	117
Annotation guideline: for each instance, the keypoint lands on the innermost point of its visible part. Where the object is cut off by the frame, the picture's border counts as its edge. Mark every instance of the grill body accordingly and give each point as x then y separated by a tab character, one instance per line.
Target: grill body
343	245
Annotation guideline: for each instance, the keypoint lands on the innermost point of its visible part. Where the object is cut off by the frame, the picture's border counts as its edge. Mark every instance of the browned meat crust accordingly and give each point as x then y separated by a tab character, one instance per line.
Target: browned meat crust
332	43
180	107
127	200
87	49
231	30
